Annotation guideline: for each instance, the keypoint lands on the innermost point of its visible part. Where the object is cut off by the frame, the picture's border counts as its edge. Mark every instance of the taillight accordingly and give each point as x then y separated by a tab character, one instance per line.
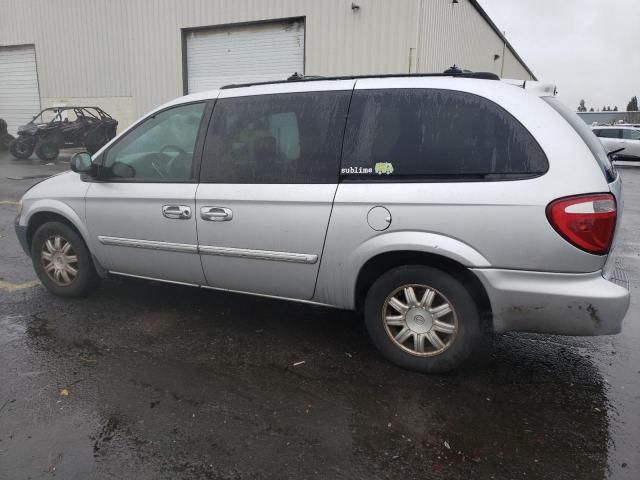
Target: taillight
585	221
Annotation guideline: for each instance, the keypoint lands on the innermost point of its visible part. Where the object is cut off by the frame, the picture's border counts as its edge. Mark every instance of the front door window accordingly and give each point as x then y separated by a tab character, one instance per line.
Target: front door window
160	149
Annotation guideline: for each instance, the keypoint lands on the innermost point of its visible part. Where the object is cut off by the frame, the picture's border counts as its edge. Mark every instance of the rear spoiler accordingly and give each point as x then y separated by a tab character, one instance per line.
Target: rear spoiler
537	88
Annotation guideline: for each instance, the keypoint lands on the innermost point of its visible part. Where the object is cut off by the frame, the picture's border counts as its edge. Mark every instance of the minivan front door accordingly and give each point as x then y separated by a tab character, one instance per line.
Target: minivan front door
141	213
269	176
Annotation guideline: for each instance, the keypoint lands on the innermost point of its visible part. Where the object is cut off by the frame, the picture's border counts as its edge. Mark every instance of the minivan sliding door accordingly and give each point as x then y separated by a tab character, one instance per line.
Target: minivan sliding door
268	179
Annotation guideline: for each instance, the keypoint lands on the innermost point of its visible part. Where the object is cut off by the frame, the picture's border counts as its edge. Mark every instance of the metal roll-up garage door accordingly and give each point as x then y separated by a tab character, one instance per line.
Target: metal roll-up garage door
19	94
243	54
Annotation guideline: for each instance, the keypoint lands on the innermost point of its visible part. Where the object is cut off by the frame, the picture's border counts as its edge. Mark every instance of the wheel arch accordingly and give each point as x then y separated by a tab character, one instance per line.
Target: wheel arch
377	265
60	212
56	212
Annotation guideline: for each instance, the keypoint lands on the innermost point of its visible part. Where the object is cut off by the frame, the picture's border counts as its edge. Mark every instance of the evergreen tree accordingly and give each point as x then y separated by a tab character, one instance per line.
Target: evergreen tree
582	107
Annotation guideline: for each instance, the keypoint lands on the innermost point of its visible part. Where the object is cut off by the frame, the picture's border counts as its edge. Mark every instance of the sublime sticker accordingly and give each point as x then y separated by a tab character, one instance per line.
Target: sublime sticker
381	168
356	170
384	168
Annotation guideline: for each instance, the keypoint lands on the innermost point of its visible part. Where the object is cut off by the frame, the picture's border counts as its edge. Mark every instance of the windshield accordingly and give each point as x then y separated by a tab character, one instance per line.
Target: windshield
46	116
587	135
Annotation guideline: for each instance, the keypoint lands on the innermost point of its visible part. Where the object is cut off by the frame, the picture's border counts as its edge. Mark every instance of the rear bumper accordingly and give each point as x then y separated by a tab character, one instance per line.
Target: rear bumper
555	303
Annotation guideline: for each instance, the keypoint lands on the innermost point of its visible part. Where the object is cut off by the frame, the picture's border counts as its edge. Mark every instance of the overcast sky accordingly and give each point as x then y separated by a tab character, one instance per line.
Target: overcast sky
589	48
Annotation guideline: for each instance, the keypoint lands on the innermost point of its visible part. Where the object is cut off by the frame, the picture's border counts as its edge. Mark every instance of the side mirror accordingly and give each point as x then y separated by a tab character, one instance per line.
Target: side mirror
122	170
81	163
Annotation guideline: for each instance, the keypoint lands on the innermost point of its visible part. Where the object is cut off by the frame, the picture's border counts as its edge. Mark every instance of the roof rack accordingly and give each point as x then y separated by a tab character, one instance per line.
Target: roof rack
454	71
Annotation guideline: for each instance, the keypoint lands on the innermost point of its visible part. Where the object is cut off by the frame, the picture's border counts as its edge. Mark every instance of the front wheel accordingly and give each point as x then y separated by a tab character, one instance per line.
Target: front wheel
422	318
62	261
21	148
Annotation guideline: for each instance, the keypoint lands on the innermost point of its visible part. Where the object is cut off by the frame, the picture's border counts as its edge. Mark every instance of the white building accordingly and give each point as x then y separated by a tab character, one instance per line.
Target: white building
127	56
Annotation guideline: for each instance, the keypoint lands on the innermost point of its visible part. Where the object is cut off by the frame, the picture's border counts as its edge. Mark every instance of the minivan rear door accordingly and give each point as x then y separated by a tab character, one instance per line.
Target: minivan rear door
267	183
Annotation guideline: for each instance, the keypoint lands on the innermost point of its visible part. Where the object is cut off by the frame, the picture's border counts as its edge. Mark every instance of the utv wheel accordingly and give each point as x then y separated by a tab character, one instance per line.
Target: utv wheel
62	261
47	151
21	149
422	318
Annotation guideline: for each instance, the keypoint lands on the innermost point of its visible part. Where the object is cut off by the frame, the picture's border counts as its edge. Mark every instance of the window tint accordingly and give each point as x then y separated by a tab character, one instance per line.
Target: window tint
435	133
159	149
609	133
283	138
631	134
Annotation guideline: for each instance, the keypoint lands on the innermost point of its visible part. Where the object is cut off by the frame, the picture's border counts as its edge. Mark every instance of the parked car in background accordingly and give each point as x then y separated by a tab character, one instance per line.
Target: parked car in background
620	136
438	205
63	127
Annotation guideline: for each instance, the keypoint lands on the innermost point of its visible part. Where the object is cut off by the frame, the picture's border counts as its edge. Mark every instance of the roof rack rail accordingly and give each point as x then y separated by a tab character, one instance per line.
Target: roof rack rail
453	71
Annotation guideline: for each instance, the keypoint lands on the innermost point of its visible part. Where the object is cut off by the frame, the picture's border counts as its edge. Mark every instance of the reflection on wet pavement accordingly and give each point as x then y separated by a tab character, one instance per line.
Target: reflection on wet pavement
206	386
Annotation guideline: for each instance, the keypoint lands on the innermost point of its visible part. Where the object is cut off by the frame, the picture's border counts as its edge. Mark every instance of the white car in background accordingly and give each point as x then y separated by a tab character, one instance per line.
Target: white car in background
620	136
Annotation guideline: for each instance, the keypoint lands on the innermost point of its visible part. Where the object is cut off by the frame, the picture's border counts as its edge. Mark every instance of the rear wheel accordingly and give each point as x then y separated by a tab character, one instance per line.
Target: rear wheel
47	151
21	148
62	261
422	318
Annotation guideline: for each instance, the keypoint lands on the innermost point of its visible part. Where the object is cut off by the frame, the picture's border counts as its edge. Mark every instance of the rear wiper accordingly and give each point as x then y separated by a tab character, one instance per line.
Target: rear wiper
612	153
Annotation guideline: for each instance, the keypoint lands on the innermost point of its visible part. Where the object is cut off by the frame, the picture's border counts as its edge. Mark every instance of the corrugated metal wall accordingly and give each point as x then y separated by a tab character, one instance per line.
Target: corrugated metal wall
82	46
457	33
133	48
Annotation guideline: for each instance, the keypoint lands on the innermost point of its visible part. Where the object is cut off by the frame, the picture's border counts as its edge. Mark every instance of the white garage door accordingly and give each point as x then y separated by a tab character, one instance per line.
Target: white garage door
252	53
19	94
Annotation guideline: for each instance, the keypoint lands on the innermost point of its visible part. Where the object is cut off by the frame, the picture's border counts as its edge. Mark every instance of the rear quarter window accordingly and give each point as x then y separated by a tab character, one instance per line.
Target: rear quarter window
409	134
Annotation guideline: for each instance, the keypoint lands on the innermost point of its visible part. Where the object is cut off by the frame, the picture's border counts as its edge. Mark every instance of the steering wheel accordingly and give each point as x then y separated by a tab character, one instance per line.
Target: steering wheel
166	170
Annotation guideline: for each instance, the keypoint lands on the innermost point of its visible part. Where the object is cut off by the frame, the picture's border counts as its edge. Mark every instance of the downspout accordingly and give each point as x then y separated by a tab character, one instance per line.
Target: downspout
504	48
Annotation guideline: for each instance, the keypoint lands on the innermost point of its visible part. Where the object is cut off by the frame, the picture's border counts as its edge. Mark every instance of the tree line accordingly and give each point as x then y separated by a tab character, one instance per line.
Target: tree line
632	106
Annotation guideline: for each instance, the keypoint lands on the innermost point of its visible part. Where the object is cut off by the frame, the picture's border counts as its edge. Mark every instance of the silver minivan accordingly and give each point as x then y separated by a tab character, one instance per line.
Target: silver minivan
438	205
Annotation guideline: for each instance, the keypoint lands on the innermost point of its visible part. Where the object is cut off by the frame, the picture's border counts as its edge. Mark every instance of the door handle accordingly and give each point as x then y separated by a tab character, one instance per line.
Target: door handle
178	212
216	214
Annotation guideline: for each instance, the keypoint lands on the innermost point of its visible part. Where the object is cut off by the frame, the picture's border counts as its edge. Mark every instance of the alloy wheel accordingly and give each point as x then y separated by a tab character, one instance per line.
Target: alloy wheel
420	320
59	260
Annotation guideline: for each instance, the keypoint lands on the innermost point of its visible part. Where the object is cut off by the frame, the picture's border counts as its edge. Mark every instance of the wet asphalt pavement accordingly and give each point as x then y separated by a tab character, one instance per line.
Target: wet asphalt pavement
153	381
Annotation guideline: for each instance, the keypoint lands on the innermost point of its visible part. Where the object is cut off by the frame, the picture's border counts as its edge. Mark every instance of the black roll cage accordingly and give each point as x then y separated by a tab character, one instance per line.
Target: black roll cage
94	112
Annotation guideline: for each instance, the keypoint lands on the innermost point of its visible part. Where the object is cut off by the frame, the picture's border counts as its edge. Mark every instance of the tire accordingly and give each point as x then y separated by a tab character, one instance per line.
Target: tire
21	149
85	278
415	348
47	151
